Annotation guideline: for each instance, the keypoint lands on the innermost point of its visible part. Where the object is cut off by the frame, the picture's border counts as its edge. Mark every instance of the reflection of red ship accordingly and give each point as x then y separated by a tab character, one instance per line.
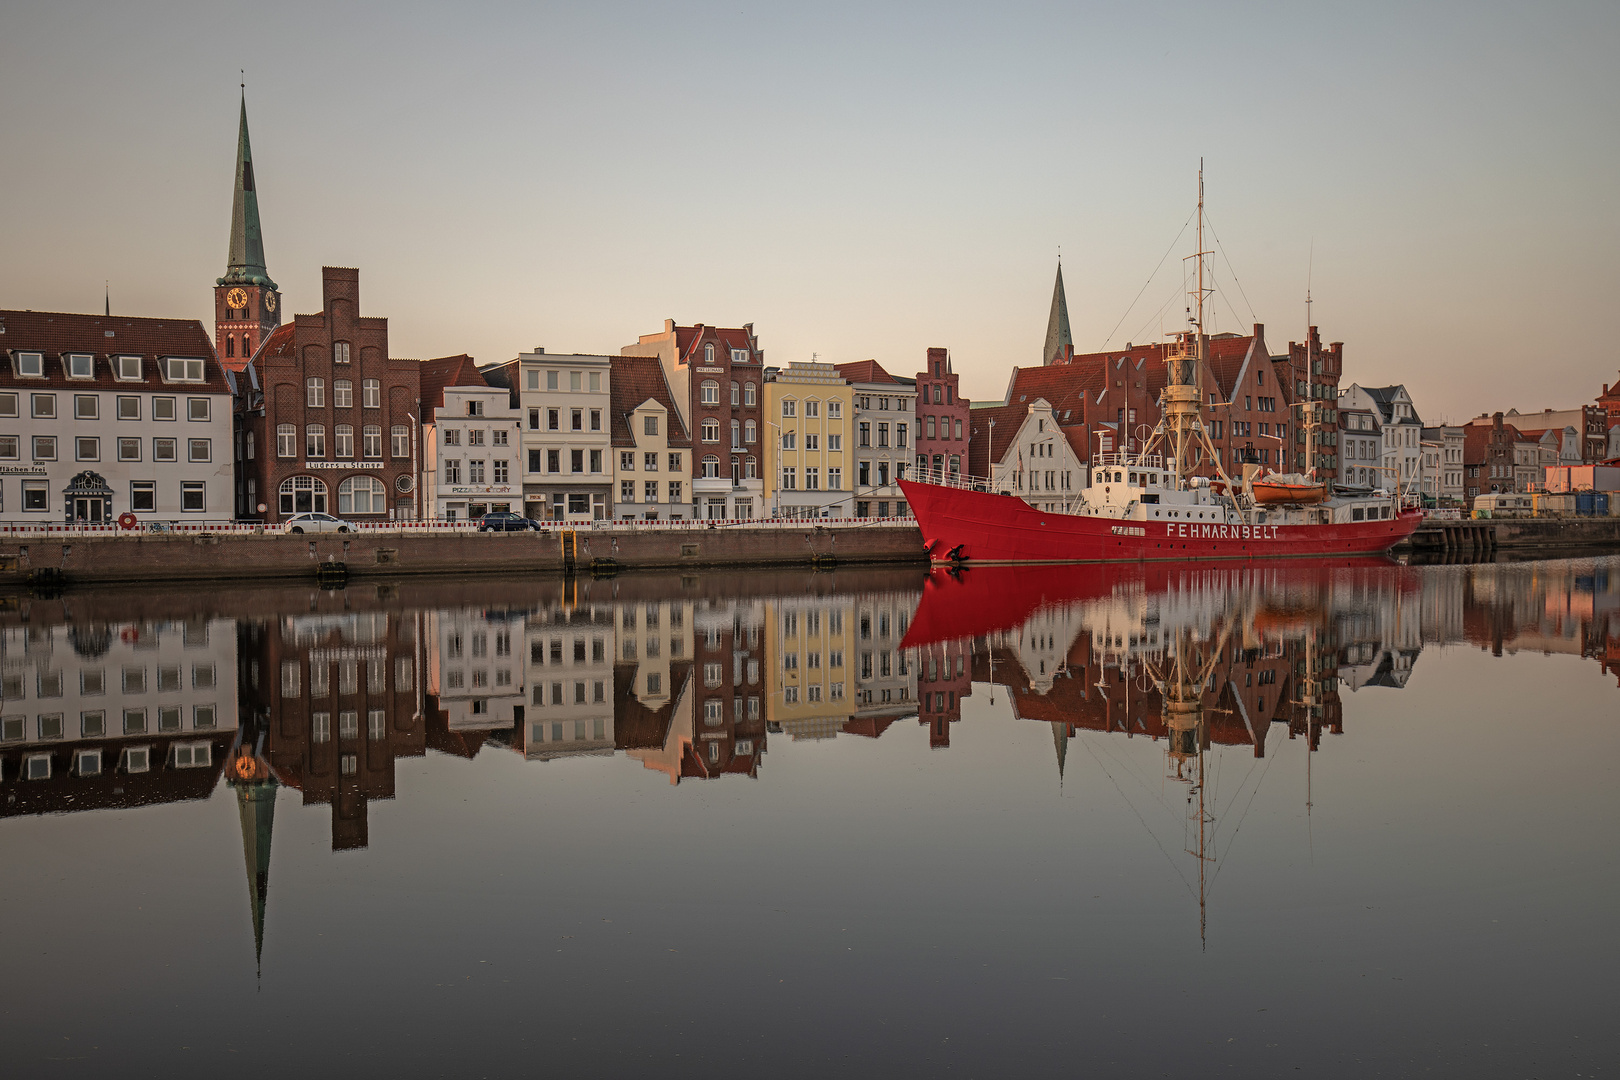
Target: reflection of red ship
969	603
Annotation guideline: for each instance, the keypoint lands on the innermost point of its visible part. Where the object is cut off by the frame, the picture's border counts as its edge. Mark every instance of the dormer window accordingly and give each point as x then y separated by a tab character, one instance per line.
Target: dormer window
475	408
739	356
184	370
30	365
129	367
80	365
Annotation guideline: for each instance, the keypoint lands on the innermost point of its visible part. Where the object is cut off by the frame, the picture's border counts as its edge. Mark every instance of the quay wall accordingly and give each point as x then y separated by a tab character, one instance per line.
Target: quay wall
1547	537
234	556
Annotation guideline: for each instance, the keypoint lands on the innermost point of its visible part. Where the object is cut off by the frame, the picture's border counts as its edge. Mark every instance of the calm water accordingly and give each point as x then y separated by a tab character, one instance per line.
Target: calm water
1344	820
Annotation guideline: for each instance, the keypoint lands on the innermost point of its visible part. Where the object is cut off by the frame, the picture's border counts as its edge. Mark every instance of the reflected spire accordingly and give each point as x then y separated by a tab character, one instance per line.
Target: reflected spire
1060	740
256	806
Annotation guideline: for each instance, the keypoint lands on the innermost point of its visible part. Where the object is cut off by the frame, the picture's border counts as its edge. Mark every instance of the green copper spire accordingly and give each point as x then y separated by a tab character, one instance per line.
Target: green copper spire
245	265
256	805
1058	337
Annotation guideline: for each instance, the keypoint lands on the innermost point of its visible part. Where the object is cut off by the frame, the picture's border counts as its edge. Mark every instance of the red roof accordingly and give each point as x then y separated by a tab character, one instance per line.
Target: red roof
278	343
446	371
631	381
688	338
1064	386
865	371
981	451
55	334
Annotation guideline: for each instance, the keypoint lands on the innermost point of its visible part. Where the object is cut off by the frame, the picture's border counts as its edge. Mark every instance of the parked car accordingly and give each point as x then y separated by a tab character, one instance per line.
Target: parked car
303	523
506	521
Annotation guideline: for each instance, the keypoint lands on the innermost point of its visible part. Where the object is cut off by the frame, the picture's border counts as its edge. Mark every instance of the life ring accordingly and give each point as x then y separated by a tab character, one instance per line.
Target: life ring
126	520
128	635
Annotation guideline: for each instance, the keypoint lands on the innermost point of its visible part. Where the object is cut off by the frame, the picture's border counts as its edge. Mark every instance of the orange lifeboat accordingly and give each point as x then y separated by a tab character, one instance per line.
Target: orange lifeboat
1289	488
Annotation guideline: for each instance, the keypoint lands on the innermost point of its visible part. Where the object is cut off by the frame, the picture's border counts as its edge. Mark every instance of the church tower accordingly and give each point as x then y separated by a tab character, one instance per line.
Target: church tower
1059	341
246	305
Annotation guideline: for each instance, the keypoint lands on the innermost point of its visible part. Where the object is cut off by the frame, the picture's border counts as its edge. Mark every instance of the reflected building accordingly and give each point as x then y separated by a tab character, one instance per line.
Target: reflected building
570	672
885	685
338	698
117	714
810	694
475	675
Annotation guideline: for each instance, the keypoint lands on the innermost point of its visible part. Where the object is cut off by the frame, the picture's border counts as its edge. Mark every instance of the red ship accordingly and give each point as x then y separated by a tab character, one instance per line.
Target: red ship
1153	504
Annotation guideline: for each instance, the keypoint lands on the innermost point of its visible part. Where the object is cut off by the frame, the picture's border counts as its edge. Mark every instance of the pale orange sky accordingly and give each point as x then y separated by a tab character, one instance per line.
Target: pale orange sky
857	181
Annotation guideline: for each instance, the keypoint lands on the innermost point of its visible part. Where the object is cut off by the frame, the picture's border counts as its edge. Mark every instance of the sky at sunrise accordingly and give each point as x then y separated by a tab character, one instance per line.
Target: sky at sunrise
857	180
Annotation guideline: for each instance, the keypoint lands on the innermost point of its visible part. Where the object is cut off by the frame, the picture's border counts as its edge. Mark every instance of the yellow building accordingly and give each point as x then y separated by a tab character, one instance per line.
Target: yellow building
807	471
809	692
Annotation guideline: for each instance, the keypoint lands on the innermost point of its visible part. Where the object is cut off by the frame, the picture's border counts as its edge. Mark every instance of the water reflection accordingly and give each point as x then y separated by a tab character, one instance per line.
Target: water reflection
119	701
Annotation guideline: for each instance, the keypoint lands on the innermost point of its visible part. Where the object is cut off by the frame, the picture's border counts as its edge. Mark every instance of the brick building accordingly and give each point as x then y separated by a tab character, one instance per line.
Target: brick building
247	307
329	422
716	376
1489	457
943	427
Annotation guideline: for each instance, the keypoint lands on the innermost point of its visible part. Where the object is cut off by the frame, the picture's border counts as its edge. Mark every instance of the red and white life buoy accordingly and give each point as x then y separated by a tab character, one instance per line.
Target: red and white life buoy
128	635
126	520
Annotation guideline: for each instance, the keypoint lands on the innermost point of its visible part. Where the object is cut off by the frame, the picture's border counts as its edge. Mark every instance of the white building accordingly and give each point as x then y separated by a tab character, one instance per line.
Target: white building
105	416
885	412
473	454
1401	450
1035	460
567	437
1361	447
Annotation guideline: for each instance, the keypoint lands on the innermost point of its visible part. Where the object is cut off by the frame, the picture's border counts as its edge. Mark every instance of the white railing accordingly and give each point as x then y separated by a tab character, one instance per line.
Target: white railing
941	478
422	528
1128	460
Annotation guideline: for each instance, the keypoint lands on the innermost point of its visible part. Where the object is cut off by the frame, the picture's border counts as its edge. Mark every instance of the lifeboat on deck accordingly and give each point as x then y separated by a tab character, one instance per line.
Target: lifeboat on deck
1277	488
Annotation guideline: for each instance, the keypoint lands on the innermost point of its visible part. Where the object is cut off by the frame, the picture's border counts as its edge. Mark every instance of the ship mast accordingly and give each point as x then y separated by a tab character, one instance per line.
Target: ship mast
1183	425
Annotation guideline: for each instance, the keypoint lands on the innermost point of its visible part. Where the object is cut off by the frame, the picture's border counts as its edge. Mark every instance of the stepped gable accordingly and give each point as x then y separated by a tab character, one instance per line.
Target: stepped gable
987	445
458	370
865	371
631	381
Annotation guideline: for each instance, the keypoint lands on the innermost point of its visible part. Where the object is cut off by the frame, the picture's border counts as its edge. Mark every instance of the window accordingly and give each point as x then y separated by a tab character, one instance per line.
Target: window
362	495
87	448
711	466
789	407
286	441
31	365
197	408
163	408
674	491
340	352
184	370
199	450
736	394
129	449
864	434
302	495
709	392
315	441
44	406
576	460
790	440
650	491
502	469
748	394
191	496
674	463
342	393
835	479
736	435
371	394
343	441
400	439
86	407
573	380
315	393
711	430
143	495
371	441
452	470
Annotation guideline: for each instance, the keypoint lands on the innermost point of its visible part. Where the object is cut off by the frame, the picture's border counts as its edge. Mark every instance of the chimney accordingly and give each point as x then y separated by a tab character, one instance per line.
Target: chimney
1496	421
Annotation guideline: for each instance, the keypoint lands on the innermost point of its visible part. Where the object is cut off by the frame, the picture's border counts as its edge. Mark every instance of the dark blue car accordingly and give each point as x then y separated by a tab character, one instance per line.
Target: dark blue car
506	521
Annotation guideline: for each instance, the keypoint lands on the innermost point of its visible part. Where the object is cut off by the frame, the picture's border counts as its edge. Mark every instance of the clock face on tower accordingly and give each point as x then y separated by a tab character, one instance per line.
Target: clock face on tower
236	298
269	301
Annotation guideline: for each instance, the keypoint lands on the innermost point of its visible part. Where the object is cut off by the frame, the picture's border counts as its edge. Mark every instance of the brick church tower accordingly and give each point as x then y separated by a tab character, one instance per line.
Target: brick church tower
246	305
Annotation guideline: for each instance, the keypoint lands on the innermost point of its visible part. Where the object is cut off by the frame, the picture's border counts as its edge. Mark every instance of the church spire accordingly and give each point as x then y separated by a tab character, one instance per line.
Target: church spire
256	806
1059	342
245	263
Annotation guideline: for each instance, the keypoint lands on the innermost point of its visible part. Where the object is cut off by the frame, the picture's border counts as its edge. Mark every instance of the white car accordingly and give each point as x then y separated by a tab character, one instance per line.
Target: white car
308	523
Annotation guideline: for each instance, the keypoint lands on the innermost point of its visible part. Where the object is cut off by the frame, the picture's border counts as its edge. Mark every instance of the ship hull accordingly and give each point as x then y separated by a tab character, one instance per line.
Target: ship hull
984	527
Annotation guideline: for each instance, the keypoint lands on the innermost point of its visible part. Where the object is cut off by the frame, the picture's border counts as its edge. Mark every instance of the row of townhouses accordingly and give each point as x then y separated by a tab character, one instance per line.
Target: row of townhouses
105	417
